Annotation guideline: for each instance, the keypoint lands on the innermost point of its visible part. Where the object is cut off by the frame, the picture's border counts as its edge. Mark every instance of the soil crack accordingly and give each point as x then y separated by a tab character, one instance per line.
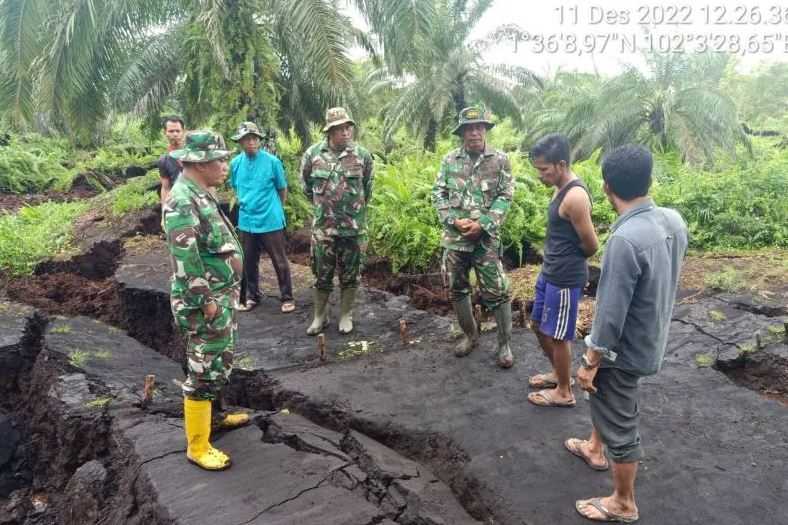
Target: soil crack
762	310
293	498
704	332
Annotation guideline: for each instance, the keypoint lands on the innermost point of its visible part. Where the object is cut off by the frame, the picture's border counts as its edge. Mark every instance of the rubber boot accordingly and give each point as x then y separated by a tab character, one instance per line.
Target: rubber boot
222	419
464	311
321	312
346	301
503	318
197	423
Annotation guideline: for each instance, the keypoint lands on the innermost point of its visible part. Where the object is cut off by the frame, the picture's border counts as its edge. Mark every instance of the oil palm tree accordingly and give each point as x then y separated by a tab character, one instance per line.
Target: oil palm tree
76	61
675	104
440	71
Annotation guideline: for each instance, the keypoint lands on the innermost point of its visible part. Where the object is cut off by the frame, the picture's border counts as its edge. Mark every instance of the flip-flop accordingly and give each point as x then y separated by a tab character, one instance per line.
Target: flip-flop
573	446
544	381
248	306
549	401
607	516
288	306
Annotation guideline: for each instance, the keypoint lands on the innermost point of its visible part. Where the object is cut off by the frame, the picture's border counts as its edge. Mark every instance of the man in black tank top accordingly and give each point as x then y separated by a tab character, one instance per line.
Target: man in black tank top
570	240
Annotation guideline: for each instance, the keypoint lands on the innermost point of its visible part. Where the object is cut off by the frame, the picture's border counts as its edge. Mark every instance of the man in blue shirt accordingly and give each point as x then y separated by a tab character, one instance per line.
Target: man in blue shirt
258	179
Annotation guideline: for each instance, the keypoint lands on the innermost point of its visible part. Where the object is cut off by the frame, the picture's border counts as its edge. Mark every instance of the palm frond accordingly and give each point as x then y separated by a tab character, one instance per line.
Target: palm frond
21	41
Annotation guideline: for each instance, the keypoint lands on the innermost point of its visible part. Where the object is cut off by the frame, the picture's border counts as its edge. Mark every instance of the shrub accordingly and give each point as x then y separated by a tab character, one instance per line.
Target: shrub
35	233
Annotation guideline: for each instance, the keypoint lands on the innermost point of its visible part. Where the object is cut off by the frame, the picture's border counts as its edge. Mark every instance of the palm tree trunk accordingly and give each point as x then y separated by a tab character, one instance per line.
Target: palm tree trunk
458	95
430	137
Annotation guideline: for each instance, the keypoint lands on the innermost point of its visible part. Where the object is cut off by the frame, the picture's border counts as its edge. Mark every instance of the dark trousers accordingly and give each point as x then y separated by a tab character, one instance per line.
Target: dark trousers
274	245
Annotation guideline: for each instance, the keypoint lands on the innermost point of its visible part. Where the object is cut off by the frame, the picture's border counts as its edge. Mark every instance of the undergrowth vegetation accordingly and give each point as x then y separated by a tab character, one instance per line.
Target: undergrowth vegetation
31	163
737	204
35	233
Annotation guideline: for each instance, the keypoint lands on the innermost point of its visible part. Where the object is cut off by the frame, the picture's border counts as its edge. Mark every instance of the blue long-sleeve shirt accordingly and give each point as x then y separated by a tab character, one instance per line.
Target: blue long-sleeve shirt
257	181
637	288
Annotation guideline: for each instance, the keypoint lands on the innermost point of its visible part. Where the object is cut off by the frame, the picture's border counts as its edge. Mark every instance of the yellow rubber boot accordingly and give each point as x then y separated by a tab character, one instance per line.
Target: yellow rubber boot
197	423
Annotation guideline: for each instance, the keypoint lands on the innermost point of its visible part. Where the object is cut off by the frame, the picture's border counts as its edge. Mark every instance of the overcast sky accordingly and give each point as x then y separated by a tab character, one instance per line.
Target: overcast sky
605	35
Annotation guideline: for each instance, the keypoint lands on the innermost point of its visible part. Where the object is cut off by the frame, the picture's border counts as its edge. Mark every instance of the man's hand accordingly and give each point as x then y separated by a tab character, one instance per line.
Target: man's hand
585	377
473	231
462	224
210	310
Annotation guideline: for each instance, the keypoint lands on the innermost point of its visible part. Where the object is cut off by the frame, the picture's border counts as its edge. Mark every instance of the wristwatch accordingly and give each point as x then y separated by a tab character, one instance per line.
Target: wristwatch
585	363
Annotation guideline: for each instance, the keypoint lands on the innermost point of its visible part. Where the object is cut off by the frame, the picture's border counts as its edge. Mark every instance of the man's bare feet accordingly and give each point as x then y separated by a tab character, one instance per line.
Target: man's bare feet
551	398
607	509
594	458
546	380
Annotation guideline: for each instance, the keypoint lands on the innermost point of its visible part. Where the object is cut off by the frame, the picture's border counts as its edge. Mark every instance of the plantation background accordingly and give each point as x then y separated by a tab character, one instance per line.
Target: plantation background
81	107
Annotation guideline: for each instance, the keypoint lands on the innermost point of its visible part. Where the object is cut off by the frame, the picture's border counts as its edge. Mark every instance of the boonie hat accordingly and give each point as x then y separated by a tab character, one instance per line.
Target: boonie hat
201	146
473	115
247	128
336	117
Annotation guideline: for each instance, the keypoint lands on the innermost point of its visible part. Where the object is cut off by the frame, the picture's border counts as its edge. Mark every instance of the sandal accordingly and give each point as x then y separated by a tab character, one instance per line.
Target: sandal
607	516
249	305
573	446
546	381
287	307
544	398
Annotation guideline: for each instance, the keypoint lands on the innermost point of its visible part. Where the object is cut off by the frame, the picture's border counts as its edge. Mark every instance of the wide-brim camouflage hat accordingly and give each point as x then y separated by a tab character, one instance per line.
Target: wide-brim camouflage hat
247	128
201	146
472	115
337	117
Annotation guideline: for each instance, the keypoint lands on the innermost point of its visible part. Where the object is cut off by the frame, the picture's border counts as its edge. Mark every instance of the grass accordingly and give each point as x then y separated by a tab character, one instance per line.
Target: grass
78	358
727	280
35	233
776	329
357	349
134	195
704	360
99	402
717	316
61	329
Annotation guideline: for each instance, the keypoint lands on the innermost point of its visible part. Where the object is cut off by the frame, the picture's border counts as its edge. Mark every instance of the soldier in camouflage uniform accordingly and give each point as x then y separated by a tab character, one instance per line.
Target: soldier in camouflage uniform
207	264
337	178
472	194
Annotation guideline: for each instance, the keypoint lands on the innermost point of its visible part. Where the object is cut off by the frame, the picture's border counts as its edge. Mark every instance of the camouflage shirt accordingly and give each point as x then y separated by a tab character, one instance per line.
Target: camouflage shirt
339	185
206	257
468	189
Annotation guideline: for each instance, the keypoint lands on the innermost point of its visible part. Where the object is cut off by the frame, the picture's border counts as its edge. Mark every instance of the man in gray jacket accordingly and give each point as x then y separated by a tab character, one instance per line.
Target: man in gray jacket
634	304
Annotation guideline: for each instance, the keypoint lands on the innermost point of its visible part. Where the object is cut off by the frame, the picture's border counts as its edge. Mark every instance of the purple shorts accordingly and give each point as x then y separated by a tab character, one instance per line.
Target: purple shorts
555	309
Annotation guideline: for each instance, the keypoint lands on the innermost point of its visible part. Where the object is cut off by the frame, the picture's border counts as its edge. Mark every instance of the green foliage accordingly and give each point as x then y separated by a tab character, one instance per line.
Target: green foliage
704	360
35	233
31	164
403	225
136	194
728	280
734	206
717	316
298	209
112	159
61	329
99	402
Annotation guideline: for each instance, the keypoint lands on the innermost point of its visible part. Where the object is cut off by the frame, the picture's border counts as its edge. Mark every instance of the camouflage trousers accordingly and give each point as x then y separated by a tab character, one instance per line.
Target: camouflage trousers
486	262
344	253
209	351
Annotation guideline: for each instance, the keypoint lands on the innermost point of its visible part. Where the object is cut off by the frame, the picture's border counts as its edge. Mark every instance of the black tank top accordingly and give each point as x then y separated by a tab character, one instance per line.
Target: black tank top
564	262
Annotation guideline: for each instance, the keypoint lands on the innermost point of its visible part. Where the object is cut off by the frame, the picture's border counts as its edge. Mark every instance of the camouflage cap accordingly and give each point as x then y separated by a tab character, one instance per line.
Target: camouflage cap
473	115
247	128
337	117
201	146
